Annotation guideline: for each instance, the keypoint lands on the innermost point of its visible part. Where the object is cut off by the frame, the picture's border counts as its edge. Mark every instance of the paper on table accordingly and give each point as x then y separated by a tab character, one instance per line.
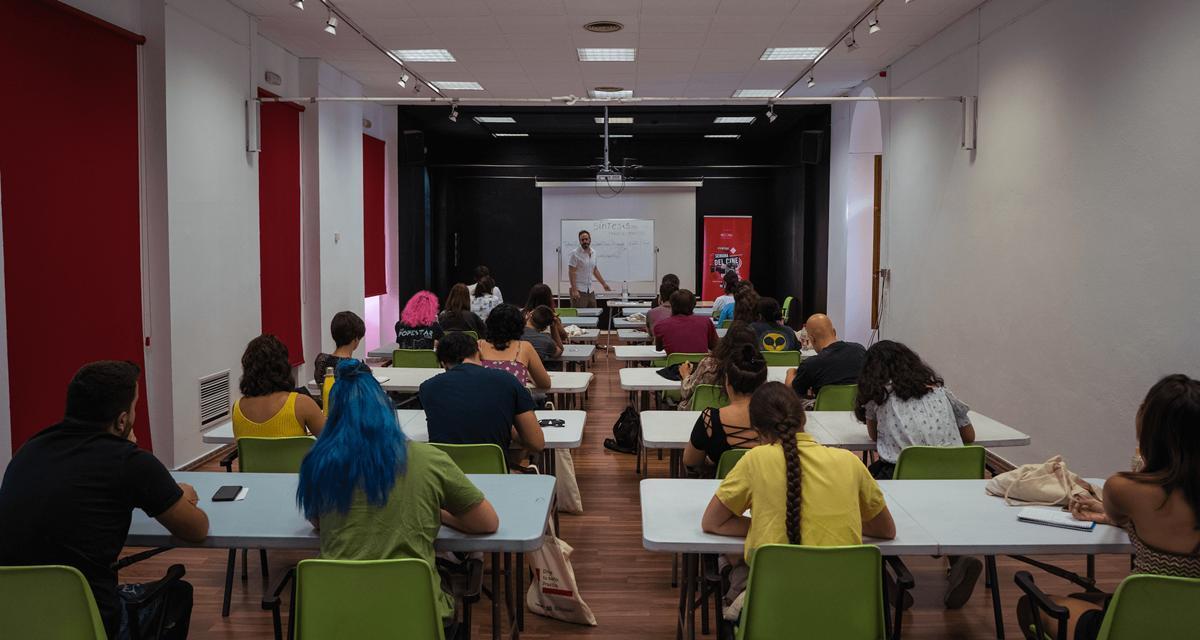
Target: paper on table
382	379
242	494
1054	518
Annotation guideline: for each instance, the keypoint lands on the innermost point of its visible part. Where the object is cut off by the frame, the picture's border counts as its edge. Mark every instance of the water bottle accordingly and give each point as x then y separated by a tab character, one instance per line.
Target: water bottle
624	291
326	387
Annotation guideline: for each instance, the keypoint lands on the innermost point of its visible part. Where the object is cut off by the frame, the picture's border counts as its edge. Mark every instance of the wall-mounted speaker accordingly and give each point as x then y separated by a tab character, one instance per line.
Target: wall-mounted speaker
812	146
412	147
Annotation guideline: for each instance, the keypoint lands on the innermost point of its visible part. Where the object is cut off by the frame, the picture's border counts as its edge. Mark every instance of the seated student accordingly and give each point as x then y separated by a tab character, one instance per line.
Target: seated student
749	307
372	494
671	278
504	348
539	333
347	330
483	300
1157	503
270	405
70	491
482	272
541	295
684	332
663	310
711	370
836	362
729	283
905	403
802	492
719	430
773	335
472	404
418	327
456	313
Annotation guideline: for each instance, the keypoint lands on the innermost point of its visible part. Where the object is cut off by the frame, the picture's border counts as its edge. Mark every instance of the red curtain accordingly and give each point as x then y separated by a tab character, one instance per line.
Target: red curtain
279	223
374	234
69	197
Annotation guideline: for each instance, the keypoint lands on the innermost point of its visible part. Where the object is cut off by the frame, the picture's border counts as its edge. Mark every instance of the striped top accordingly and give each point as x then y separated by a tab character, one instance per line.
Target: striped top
1147	559
283	424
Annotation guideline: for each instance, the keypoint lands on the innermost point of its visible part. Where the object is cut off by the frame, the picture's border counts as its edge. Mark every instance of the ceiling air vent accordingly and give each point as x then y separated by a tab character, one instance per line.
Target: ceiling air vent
603	26
214	398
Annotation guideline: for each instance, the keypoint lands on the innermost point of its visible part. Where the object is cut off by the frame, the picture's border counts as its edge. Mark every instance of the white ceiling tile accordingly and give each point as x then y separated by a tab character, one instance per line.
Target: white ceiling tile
660	89
469	56
458	8
651	68
535	25
604	7
672	40
555	56
583	38
526	7
647	56
471	25
542	41
675	23
680	7
829	8
364	8
756	7
744	24
457	42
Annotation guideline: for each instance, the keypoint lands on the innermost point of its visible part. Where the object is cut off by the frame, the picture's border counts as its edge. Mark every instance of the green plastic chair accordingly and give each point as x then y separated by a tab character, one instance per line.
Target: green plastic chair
366	599
273	455
782	358
728	461
476	458
787	308
1148	606
416	358
836	397
51	601
708	395
846	603
568	312
941	463
724	324
680	358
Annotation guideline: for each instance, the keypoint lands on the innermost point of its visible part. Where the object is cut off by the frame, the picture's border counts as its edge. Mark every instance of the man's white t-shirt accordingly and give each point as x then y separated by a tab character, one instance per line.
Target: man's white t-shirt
584	263
495	291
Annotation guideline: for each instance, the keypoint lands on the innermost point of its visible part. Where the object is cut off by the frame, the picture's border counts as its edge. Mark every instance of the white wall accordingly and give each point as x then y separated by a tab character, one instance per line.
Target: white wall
382	312
1051	276
673	210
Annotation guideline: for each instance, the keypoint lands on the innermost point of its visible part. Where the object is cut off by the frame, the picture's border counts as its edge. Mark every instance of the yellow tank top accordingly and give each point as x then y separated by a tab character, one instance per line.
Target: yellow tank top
284	423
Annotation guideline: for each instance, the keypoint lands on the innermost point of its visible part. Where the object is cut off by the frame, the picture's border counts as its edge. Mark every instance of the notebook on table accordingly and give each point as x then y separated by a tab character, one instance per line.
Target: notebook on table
1054	518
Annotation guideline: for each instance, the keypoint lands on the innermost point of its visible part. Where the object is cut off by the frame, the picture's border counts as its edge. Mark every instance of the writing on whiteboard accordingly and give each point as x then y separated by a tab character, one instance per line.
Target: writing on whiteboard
623	248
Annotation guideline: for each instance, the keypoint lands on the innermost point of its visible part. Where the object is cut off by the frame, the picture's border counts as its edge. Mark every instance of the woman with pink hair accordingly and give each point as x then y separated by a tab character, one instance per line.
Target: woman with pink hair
418	327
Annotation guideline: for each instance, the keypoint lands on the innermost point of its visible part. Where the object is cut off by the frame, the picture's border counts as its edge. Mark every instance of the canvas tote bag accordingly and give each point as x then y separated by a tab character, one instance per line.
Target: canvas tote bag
553	591
566	487
1049	483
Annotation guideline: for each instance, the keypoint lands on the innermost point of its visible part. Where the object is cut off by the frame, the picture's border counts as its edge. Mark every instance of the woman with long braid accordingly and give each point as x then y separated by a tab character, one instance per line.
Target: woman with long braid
801	492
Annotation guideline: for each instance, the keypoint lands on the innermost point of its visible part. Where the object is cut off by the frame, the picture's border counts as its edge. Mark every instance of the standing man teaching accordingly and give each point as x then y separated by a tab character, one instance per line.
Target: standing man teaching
582	268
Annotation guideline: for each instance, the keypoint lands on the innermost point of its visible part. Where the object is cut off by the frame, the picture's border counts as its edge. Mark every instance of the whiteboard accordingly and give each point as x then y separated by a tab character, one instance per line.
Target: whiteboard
623	248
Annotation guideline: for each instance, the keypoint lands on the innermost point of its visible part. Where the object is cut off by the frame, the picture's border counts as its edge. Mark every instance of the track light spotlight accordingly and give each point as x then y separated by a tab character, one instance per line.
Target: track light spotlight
812	82
331	25
299	4
453	112
873	24
851	43
771	115
403	82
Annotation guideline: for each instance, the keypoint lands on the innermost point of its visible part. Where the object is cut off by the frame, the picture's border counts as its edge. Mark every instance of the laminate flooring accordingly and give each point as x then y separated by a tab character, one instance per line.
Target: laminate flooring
627	587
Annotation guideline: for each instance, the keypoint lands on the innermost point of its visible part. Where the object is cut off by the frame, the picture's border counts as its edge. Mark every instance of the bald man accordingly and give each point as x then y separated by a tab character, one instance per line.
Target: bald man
836	362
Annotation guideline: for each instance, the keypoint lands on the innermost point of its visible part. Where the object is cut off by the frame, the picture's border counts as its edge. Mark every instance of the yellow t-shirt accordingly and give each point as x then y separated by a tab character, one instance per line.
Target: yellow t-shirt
837	495
284	423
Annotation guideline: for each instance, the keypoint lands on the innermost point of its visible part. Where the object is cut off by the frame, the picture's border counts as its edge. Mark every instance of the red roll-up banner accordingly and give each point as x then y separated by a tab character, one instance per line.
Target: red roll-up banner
726	248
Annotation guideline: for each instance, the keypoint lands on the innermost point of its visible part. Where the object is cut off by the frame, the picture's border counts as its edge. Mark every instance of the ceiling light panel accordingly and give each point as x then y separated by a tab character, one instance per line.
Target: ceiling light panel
791	53
615	120
723	136
494	120
755	93
607	55
511	135
618	135
456	85
734	120
611	95
424	55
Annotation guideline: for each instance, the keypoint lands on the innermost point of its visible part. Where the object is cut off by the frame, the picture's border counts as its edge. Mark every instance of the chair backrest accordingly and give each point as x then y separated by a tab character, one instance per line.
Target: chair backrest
724	324
415	358
782	358
941	463
728	461
708	395
836	397
51	601
567	312
680	358
846	602
1149	606
787	308
366	599
273	455
476	458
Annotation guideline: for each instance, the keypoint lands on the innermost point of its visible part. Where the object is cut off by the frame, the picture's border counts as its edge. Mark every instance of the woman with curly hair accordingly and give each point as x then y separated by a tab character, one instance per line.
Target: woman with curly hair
504	348
270	406
718	430
788	477
711	369
904	402
418	327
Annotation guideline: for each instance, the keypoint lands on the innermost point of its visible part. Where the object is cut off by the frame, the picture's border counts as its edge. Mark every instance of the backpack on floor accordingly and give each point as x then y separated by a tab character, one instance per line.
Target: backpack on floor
627	432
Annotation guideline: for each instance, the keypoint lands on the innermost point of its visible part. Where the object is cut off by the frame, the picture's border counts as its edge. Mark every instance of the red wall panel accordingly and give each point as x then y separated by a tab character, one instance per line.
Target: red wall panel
374	230
279	224
70	199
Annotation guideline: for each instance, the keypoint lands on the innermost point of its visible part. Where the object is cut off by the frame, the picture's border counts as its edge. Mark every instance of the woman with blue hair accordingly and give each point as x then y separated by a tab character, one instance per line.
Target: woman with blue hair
374	494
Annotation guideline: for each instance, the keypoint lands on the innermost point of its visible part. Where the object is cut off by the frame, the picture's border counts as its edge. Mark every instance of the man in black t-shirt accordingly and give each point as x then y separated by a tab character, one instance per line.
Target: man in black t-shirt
69	492
836	362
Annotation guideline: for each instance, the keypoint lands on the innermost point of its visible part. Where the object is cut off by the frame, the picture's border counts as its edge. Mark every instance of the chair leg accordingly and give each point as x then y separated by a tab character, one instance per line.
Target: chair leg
266	570
228	582
997	611
245	565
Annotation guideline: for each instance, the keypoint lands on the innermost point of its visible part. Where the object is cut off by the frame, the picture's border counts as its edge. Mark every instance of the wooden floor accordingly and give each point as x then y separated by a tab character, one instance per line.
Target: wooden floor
626	586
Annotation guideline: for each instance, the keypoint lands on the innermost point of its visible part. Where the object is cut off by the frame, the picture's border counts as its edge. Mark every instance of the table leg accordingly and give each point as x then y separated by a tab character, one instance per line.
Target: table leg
1091	568
689	577
997	611
521	591
508	592
495	596
683	596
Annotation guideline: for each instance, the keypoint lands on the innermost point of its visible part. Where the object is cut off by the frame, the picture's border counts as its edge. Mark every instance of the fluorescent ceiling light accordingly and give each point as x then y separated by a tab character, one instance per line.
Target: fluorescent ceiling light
734	120
755	93
607	55
424	55
611	95
494	120
615	120
511	135
618	135
791	53
455	85
724	136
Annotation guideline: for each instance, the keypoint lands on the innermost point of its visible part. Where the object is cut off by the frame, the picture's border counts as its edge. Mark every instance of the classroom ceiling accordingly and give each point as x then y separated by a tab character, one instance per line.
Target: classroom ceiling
527	48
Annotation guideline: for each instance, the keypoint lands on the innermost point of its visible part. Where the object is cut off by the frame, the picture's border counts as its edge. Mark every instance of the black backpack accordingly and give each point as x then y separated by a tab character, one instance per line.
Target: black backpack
627	433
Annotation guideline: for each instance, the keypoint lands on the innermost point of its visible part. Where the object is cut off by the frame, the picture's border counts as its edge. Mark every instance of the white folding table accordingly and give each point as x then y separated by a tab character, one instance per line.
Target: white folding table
632	335
586	322
637	353
576	355
848	433
586	335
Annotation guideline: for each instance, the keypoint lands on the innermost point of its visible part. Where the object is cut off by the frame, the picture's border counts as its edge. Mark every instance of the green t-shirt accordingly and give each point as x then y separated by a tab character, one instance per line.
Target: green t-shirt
407	525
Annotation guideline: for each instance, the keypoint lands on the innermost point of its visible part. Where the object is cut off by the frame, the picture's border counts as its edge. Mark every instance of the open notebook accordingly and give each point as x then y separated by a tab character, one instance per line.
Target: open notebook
1054	518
